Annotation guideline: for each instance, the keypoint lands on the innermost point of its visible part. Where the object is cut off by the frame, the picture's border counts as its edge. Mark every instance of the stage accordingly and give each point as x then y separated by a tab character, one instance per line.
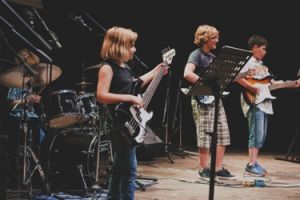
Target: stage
180	181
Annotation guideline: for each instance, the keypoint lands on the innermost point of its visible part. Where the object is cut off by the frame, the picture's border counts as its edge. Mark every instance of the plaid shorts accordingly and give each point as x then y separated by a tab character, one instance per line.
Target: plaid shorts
204	121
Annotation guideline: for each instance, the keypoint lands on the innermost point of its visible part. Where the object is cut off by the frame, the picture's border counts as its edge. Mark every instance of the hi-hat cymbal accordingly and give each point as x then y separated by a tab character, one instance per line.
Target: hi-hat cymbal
14	76
93	67
84	83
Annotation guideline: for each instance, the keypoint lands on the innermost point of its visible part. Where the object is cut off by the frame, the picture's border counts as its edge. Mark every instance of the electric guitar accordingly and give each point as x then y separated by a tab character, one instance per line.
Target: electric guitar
131	120
265	88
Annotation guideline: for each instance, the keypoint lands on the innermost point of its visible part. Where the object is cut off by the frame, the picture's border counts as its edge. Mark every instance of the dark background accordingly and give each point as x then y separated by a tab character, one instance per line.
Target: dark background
162	24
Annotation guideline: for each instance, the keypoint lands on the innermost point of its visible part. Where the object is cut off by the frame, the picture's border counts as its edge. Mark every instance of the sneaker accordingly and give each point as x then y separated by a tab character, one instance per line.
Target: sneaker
224	173
259	166
204	173
255	170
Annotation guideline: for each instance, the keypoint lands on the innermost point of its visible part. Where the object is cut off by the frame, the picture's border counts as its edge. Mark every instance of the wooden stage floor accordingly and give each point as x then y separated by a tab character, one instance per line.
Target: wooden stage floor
181	180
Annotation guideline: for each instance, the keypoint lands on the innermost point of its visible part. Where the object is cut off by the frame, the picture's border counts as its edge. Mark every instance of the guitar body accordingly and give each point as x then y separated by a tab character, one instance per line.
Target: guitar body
205	100
264	93
132	122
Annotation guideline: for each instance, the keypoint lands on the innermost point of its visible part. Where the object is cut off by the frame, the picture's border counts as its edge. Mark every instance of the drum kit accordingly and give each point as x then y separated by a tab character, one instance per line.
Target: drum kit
76	157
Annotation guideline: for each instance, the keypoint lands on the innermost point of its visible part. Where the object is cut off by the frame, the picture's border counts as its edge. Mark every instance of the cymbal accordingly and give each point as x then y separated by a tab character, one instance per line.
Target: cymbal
14	76
84	83
93	67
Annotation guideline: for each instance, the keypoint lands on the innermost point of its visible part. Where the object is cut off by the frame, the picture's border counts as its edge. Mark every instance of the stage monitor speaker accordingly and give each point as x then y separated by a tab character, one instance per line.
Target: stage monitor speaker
152	146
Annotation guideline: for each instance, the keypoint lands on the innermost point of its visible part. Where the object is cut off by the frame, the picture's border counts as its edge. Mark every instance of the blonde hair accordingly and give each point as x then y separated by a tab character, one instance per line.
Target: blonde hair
204	33
28	57
116	44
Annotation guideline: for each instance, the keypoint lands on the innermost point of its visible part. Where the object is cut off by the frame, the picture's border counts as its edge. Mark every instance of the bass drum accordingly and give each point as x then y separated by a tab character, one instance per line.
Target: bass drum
72	159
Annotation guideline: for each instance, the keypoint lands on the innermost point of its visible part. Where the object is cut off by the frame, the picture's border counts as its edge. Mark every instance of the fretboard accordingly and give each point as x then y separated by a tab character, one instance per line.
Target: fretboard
152	87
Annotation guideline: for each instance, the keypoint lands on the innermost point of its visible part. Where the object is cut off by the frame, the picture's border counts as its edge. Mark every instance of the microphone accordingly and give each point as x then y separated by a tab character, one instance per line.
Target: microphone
51	33
55	39
30	17
79	20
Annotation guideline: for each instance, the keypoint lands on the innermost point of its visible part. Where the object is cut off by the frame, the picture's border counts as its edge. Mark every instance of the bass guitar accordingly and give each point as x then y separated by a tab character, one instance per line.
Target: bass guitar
132	120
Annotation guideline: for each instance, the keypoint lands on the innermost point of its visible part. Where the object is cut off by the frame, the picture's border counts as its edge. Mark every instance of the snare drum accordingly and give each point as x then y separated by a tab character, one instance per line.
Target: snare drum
63	109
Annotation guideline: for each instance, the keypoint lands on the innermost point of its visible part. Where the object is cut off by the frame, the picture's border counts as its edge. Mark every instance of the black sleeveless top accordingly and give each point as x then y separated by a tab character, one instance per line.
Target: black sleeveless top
122	81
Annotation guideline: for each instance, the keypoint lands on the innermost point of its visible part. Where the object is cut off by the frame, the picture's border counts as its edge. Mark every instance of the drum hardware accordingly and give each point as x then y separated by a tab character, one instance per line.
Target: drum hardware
31	76
27	152
64	110
37	167
83	83
97	66
26	76
89	108
80	167
103	114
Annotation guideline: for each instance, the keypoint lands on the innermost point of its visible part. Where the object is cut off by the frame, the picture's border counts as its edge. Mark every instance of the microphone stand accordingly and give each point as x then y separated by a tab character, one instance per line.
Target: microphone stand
22	20
43	54
51	33
105	30
166	117
178	116
95	22
28	69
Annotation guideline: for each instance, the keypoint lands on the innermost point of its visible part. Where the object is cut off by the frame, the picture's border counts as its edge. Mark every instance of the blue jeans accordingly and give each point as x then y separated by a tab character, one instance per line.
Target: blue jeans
257	123
122	180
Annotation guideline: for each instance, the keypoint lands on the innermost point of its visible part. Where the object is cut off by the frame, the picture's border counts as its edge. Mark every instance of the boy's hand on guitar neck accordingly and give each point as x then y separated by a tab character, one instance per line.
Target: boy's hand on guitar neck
295	84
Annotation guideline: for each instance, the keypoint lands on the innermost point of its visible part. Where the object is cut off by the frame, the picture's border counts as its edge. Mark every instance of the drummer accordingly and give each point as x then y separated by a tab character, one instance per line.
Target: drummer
20	100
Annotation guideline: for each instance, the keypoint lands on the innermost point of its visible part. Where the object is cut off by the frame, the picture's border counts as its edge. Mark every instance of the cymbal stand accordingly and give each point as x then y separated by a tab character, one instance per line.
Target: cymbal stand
27	71
166	118
27	151
178	116
96	186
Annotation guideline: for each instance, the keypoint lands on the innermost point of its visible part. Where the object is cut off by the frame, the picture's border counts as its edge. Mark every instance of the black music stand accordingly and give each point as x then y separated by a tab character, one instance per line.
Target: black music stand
218	75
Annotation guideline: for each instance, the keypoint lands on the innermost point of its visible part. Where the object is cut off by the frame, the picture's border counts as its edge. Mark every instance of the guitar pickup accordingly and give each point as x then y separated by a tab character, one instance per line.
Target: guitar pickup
129	127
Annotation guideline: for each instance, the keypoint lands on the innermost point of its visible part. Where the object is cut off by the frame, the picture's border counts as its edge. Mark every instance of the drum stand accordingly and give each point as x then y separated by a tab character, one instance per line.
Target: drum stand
27	151
29	72
101	130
